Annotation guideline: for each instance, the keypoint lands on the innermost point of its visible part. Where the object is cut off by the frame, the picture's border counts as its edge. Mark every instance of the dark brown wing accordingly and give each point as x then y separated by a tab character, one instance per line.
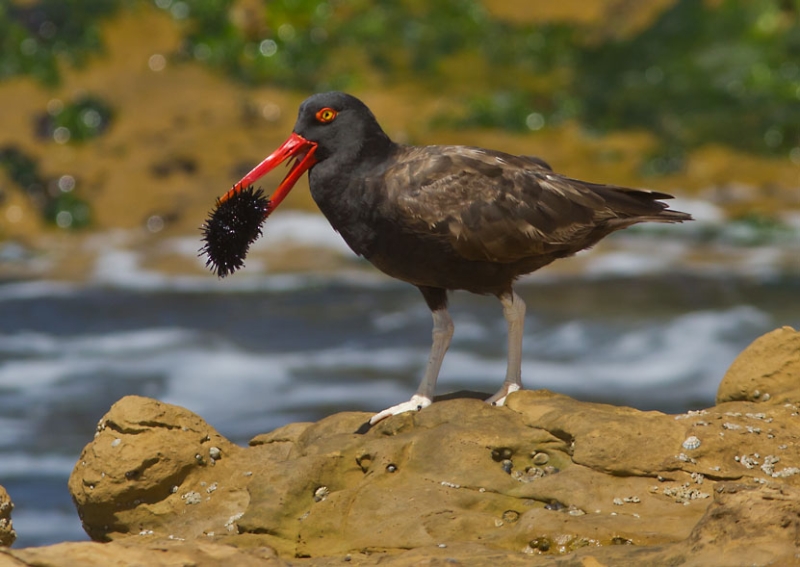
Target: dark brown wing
497	207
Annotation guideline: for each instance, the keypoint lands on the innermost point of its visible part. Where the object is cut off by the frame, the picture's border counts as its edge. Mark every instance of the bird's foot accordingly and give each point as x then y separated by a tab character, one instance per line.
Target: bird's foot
416	403
499	398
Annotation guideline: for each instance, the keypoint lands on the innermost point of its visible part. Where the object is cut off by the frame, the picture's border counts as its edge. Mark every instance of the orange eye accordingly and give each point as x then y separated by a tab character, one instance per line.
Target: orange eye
326	115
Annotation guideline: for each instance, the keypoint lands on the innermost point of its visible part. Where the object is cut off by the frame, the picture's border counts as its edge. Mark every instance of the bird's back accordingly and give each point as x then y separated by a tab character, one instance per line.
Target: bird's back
502	208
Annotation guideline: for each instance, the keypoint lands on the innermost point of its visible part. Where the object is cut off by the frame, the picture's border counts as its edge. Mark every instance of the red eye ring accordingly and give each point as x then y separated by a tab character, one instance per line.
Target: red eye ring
325	115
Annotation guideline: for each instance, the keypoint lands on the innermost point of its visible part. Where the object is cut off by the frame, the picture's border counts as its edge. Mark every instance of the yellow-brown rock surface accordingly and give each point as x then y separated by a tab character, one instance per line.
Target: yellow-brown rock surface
768	368
150	554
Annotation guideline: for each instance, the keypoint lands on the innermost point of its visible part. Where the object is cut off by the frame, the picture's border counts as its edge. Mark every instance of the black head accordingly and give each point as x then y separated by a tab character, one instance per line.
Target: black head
339	124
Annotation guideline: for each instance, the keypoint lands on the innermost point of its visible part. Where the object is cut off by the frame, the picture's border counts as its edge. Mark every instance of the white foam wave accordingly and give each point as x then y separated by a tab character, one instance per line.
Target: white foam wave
694	348
35	289
30	343
119	266
302	229
689	349
122	269
702	211
212	383
222	375
21	464
59	358
637	258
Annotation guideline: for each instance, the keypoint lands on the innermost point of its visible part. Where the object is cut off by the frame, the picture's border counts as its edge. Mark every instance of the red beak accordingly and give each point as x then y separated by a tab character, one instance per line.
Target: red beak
294	147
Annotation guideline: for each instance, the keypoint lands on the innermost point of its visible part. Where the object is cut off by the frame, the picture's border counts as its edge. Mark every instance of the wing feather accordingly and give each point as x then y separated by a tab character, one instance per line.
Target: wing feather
497	207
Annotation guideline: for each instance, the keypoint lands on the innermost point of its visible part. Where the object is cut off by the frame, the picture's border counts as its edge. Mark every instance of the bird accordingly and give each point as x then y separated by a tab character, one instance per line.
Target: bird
440	217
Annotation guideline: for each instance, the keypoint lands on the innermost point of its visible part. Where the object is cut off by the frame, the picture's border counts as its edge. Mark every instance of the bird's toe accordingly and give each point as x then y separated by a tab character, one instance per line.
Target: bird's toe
416	403
499	399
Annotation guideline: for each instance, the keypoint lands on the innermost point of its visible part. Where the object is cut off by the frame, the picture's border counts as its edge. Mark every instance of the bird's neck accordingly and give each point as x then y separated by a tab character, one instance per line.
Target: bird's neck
355	156
341	188
372	148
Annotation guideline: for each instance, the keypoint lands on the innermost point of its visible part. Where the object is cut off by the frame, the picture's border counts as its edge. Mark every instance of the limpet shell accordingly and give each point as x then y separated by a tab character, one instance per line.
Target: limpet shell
690	443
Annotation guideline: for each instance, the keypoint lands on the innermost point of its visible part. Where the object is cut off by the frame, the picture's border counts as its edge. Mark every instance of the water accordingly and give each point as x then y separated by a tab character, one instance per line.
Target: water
254	352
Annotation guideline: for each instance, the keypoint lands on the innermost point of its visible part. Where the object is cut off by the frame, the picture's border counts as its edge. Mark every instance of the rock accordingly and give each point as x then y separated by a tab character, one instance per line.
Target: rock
7	533
150	467
767	370
457	483
133	552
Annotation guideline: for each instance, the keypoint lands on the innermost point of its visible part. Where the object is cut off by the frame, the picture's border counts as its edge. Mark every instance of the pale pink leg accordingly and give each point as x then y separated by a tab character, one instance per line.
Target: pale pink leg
442	334
514	312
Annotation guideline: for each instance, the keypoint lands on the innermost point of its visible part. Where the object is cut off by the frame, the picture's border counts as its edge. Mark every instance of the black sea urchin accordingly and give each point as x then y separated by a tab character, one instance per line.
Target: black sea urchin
233	225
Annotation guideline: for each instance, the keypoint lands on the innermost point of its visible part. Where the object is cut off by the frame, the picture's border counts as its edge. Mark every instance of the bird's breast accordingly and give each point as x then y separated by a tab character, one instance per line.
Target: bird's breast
350	209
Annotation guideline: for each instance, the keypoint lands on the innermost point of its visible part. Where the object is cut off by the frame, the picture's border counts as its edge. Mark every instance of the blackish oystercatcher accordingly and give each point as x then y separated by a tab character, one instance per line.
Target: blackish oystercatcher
439	217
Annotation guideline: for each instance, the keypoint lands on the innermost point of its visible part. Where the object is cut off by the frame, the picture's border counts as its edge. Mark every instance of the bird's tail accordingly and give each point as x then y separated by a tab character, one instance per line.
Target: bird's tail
669	215
632	206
